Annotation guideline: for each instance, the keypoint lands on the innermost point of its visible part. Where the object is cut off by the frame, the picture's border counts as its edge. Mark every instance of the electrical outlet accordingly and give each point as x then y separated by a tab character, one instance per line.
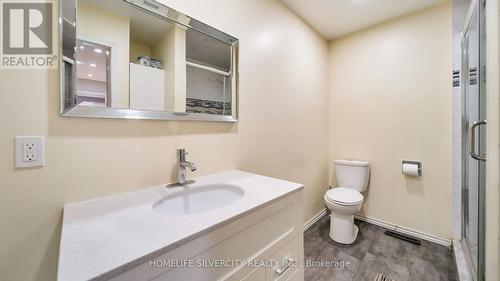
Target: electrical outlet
30	152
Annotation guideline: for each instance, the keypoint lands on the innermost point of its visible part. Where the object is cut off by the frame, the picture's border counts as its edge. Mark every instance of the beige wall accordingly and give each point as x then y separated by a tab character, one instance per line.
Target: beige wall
390	98
138	49
282	133
110	29
171	50
493	141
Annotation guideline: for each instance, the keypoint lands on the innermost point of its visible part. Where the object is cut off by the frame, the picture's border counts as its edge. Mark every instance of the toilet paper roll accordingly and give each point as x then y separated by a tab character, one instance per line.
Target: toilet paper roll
410	170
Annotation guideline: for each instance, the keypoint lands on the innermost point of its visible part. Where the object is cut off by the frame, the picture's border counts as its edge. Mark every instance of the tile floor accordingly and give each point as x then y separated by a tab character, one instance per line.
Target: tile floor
373	252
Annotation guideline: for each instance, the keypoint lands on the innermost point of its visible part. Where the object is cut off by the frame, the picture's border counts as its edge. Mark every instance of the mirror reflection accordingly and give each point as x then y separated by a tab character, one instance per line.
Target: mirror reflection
132	55
93	74
208	75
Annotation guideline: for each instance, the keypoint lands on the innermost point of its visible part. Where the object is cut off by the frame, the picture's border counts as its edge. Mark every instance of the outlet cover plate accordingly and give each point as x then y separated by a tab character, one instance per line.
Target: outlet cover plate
30	144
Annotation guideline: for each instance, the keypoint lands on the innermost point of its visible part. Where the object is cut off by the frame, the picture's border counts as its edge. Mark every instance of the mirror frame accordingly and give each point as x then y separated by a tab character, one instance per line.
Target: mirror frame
167	14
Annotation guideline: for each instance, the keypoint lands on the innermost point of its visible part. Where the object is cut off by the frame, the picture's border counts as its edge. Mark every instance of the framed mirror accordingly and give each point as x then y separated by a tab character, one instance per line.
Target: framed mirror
142	60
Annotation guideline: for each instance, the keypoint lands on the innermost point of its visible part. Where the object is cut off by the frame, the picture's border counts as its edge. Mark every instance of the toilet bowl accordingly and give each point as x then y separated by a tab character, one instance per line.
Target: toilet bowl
346	200
342	228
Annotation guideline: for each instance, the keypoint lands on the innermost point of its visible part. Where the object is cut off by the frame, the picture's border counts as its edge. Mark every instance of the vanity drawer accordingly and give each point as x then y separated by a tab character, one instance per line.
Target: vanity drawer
258	274
287	261
262	235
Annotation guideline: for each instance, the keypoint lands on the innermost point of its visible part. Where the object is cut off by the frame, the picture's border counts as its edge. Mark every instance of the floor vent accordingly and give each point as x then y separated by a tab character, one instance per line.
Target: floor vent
401	236
382	277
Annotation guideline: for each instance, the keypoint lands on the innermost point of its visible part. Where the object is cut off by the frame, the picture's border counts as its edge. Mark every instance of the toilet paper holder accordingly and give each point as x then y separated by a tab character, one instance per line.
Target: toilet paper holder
418	163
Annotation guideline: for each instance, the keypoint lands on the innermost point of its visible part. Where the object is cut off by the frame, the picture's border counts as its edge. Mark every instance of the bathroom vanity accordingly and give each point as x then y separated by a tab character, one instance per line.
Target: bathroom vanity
228	226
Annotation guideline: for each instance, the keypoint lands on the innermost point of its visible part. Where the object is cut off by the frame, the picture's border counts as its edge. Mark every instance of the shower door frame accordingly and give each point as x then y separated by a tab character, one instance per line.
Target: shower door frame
476	12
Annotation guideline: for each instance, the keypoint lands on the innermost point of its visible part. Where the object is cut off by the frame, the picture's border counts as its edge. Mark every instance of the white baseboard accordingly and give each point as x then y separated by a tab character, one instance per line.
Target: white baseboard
391	226
314	219
407	231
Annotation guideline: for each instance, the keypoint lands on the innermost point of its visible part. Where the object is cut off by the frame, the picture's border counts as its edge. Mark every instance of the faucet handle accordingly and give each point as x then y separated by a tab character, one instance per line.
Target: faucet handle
181	155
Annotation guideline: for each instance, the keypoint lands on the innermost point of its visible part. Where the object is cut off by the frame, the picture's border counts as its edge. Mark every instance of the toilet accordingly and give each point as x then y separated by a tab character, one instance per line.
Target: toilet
346	200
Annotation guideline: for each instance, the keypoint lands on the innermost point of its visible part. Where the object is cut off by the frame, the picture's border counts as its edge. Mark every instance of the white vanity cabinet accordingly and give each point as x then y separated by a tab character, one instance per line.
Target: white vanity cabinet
271	234
229	226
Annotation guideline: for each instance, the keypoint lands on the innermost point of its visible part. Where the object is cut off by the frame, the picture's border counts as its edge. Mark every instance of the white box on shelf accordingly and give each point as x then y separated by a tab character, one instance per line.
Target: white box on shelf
147	87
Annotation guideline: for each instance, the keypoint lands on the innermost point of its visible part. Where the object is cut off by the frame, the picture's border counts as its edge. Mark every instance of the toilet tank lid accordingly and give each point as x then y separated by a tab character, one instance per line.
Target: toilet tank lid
352	163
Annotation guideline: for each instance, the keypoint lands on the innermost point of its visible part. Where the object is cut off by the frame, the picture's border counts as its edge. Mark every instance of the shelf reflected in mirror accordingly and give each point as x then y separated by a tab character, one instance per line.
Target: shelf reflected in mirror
125	59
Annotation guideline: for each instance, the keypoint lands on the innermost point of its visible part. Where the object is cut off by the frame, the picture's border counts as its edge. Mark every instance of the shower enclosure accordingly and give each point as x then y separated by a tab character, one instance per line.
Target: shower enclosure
473	138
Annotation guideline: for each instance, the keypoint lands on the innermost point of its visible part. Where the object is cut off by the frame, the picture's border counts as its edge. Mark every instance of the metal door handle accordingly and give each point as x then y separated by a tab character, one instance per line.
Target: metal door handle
472	141
288	263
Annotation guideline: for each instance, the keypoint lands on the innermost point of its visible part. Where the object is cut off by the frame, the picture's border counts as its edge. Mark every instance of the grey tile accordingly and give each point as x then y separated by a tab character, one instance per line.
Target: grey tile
311	234
338	265
423	270
318	274
312	249
433	262
442	257
393	250
311	273
429	250
420	270
313	245
372	265
373	252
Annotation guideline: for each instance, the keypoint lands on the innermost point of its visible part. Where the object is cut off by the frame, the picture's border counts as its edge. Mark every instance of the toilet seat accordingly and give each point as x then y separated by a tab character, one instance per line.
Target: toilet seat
344	196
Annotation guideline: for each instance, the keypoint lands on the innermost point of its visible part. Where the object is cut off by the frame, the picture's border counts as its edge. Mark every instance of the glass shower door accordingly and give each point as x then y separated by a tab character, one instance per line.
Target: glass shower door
474	137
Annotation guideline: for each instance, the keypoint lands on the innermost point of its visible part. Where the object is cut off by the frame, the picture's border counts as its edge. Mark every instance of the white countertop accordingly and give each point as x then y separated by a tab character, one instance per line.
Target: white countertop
104	237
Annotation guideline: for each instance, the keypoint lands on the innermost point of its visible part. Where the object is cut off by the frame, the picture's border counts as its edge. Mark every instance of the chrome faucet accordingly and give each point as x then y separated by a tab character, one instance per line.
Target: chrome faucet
183	164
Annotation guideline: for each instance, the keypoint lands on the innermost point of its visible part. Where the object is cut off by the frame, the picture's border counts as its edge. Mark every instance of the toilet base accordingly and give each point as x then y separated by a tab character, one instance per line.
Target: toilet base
342	229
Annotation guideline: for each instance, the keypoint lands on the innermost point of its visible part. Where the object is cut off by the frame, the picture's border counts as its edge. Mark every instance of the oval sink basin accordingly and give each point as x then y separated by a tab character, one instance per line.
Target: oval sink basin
199	199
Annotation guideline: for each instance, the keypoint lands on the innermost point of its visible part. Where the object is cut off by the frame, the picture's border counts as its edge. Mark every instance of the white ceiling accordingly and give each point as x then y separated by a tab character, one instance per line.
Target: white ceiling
334	18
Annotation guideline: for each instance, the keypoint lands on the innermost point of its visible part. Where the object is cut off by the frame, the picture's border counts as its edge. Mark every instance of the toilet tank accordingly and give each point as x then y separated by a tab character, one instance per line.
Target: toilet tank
352	174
